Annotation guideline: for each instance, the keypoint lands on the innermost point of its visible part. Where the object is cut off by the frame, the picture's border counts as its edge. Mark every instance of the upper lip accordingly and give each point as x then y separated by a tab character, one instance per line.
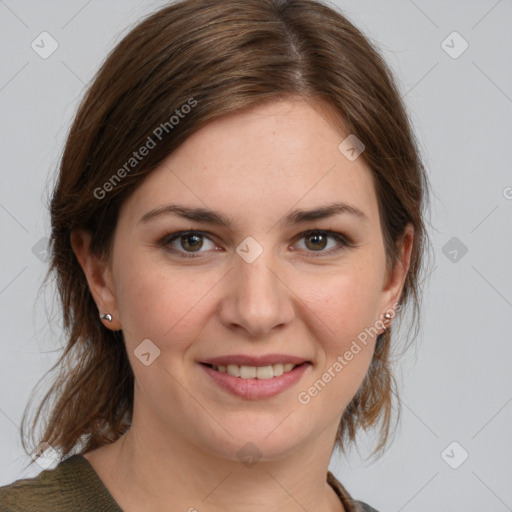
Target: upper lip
245	360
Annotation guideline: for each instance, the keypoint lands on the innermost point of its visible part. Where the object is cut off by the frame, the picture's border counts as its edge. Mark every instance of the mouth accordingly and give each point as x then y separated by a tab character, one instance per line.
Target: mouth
255	372
253	381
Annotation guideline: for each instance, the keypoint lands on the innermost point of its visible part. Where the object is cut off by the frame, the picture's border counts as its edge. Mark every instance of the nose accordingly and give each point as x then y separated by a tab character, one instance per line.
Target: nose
257	299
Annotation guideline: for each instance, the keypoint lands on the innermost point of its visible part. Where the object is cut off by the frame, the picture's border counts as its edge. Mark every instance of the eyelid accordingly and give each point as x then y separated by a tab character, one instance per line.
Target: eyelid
166	240
339	237
342	239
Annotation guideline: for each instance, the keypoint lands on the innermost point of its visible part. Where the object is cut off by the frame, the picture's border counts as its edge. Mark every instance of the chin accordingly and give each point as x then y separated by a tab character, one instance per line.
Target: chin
269	440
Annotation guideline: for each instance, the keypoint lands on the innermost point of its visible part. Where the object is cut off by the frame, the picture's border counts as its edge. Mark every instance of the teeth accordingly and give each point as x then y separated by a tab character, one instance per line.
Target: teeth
255	372
278	369
233	369
248	372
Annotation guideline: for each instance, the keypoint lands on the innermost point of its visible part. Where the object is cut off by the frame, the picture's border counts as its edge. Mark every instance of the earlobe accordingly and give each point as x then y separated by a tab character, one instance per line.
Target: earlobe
99	278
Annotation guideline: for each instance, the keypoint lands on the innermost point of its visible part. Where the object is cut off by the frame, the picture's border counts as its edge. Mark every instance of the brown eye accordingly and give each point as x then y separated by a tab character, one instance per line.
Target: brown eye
321	242
316	241
191	242
187	244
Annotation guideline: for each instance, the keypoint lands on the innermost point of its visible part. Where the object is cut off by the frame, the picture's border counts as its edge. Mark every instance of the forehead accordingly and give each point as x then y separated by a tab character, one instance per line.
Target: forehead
260	162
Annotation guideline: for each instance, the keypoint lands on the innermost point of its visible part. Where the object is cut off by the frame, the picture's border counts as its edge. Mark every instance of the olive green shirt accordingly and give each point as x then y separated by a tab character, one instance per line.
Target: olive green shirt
74	486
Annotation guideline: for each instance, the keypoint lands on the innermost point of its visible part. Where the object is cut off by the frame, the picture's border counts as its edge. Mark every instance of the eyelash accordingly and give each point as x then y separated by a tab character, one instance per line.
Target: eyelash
168	239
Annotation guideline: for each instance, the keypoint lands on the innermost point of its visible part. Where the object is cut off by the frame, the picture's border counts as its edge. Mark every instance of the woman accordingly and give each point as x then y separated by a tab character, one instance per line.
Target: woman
236	223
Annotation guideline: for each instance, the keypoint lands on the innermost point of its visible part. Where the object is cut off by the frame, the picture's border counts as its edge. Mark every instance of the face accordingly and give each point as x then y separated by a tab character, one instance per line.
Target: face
268	281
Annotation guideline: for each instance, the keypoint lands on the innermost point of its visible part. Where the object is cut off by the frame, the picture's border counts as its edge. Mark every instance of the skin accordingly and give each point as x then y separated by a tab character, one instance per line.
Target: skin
296	298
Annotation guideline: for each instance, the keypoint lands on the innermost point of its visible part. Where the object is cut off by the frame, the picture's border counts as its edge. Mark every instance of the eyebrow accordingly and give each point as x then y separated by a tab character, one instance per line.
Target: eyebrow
214	218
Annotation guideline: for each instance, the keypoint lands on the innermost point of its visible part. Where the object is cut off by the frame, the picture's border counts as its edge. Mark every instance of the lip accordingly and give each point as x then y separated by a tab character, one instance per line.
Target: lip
245	360
256	389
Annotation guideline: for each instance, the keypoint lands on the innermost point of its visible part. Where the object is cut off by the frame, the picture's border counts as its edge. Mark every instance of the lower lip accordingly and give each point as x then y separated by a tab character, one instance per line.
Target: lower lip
254	389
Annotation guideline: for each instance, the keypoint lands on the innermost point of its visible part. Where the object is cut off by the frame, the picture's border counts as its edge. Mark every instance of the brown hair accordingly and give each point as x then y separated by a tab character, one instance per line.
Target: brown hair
218	57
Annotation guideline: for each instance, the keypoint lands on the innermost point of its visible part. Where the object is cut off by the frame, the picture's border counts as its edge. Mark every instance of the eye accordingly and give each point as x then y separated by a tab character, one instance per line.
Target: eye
316	241
190	241
188	244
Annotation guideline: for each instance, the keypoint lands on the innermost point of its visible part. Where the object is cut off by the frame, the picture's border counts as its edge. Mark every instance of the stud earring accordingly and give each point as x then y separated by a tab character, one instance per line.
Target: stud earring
107	317
387	317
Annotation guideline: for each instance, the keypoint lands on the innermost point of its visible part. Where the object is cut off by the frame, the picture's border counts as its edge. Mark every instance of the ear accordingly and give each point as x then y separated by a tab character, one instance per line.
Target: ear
99	277
396	276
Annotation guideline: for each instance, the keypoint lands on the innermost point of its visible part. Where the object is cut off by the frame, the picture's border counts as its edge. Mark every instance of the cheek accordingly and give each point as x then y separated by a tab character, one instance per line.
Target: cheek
346	300
342	308
165	307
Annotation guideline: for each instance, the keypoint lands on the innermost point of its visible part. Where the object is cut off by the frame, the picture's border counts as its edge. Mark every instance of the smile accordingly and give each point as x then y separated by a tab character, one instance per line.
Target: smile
255	382
255	372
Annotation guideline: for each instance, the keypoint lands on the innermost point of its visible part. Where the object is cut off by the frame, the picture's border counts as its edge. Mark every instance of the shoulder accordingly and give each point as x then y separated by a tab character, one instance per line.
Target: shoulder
364	507
349	503
52	489
72	486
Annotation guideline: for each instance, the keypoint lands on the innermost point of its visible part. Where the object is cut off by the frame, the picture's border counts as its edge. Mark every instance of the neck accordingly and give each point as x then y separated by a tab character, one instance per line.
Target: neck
147	470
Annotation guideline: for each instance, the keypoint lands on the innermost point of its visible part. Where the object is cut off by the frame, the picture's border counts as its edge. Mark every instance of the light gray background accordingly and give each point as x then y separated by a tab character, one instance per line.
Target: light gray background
456	385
